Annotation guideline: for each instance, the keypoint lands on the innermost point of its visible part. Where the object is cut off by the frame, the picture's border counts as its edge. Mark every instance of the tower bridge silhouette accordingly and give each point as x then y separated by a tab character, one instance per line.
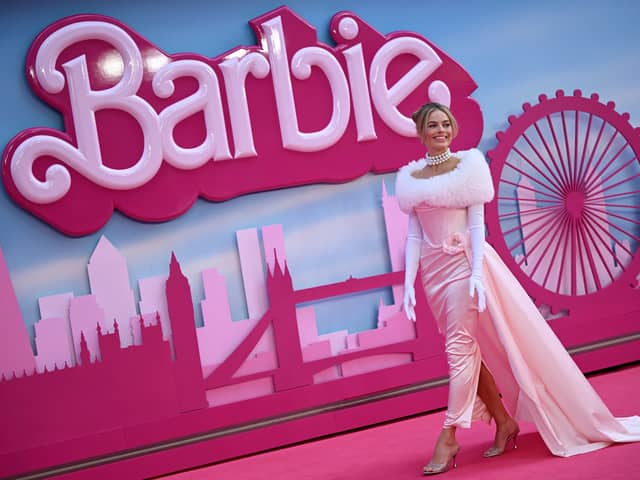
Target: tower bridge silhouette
292	370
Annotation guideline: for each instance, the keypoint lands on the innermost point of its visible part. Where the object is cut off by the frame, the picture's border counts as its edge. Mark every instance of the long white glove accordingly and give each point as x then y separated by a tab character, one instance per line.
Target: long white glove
412	258
475	224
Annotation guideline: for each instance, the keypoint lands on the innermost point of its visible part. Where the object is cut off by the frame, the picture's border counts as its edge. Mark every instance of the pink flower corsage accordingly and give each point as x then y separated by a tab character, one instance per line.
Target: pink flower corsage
455	243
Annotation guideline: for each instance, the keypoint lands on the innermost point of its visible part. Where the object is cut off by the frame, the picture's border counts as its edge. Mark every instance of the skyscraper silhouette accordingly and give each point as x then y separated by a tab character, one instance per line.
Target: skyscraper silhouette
15	350
109	281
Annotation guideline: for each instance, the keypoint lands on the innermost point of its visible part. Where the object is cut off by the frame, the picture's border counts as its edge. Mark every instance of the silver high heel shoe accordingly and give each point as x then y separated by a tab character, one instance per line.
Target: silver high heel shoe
495	451
435	468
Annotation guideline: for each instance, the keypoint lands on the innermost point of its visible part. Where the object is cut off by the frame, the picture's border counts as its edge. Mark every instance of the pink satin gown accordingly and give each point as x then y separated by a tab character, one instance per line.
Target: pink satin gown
536	376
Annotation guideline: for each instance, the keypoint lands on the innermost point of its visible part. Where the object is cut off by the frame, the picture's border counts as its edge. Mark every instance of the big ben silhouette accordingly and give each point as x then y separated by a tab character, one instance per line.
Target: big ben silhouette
187	368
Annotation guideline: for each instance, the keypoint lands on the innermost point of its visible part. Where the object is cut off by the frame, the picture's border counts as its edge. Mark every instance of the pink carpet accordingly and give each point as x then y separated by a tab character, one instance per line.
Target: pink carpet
398	450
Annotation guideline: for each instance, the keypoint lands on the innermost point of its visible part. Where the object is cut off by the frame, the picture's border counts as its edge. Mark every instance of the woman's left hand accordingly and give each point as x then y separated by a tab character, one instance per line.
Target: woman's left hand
476	285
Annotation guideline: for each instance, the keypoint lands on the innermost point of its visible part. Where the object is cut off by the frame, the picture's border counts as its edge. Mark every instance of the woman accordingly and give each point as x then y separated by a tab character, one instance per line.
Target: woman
490	333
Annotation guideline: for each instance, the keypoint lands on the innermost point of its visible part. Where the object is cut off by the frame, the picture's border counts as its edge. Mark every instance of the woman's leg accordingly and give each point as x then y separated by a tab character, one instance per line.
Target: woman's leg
464	360
506	427
488	392
444	453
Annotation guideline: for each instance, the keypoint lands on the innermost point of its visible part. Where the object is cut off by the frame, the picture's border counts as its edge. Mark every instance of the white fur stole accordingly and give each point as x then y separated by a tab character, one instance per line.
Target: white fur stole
467	184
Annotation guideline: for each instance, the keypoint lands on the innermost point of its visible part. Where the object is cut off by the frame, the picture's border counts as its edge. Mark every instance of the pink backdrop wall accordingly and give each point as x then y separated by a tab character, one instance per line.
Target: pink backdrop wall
125	381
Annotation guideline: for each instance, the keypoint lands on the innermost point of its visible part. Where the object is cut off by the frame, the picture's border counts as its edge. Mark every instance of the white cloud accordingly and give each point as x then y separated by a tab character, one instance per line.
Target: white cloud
225	219
338	246
40	277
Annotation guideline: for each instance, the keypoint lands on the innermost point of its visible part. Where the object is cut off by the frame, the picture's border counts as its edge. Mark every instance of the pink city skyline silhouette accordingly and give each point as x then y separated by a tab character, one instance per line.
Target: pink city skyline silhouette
64	316
106	368
110	377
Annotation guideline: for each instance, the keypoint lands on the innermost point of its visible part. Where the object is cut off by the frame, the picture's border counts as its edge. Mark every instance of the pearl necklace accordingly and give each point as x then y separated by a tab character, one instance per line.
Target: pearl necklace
438	159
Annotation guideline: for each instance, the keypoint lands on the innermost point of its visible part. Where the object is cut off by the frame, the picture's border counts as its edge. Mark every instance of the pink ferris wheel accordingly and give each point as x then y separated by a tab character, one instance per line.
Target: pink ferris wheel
566	216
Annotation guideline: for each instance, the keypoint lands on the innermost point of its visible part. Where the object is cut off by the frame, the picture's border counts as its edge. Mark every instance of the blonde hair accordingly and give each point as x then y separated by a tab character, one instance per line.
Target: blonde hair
421	115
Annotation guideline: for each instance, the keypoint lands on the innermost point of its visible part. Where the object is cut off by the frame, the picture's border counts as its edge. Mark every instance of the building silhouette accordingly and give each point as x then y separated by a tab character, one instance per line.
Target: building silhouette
15	349
187	367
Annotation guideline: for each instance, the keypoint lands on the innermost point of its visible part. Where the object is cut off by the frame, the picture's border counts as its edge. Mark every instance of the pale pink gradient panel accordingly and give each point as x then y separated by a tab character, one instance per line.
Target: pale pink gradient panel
85	315
136	327
153	299
217	337
54	344
238	392
315	351
396	225
252	272
308	329
55	305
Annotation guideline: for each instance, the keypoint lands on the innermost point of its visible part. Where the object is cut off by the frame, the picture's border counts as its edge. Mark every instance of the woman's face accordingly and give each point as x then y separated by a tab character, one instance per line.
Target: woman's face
438	132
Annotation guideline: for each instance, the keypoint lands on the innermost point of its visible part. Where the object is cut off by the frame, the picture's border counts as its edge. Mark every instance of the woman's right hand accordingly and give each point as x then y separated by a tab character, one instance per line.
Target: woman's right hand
409	302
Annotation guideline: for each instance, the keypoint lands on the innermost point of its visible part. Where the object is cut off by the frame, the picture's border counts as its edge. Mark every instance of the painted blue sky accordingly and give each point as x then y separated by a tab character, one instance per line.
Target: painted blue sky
513	50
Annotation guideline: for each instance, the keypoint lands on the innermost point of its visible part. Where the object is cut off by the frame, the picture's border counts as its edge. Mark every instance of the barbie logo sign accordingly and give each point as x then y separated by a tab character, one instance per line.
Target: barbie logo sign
147	133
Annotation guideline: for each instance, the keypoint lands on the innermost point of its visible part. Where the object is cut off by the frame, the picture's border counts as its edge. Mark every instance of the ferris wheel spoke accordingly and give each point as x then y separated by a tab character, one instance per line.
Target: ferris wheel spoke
594	149
612	205
534	179
540	192
616	195
609	187
558	188
563	261
584	149
576	135
562	226
590	229
530	222
590	186
605	219
548	149
523	213
596	223
528	200
591	173
573	251
615	215
550	225
566	147
557	145
558	182
570	239
581	254
589	241
553	257
584	232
